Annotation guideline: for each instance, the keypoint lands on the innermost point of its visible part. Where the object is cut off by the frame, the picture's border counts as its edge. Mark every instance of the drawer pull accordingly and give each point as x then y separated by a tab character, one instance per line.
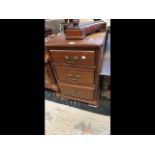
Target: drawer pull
66	57
77	76
75	58
71	59
73	92
74	78
70	75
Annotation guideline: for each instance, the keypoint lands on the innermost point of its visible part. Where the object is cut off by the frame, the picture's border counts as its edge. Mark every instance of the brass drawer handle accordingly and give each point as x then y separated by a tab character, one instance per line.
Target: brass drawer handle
75	58
73	92
70	75
66	57
74	78
71	59
77	76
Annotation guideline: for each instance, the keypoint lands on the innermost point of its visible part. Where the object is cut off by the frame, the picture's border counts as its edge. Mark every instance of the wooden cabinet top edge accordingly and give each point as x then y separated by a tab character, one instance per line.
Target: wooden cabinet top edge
94	40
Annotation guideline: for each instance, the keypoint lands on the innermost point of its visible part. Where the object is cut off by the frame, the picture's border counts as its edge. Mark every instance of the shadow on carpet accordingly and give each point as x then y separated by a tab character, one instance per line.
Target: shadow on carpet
104	107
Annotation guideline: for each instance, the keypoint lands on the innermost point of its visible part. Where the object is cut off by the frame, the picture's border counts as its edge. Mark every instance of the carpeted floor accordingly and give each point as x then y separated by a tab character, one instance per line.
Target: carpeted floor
65	120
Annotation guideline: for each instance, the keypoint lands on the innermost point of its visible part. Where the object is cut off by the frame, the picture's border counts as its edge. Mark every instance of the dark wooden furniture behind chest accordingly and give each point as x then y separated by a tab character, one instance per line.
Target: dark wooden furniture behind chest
76	65
50	81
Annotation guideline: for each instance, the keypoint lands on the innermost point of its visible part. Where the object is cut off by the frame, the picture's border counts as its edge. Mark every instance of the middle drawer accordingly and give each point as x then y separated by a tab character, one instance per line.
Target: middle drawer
76	75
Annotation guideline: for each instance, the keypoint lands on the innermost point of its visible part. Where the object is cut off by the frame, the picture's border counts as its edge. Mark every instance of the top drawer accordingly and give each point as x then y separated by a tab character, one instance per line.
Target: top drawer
73	57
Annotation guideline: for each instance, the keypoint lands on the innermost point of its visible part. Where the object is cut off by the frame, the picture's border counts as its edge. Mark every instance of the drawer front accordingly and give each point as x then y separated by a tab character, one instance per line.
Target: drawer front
73	57
77	75
77	91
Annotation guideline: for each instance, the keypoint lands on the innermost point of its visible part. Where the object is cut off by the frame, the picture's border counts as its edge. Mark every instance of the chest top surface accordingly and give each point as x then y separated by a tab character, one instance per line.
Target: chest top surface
93	40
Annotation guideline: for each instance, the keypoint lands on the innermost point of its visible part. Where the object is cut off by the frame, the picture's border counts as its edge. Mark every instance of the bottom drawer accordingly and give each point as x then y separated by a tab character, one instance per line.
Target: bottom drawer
77	91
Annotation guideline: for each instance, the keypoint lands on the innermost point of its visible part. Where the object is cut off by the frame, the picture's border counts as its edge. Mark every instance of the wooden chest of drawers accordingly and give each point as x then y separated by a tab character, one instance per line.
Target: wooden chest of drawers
76	65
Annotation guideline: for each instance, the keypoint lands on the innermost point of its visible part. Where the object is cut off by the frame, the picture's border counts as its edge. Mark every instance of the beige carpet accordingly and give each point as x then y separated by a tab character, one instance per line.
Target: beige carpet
64	120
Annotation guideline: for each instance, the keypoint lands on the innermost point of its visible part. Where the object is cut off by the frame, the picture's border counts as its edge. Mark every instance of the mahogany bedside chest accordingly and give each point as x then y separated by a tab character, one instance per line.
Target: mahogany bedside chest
76	65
